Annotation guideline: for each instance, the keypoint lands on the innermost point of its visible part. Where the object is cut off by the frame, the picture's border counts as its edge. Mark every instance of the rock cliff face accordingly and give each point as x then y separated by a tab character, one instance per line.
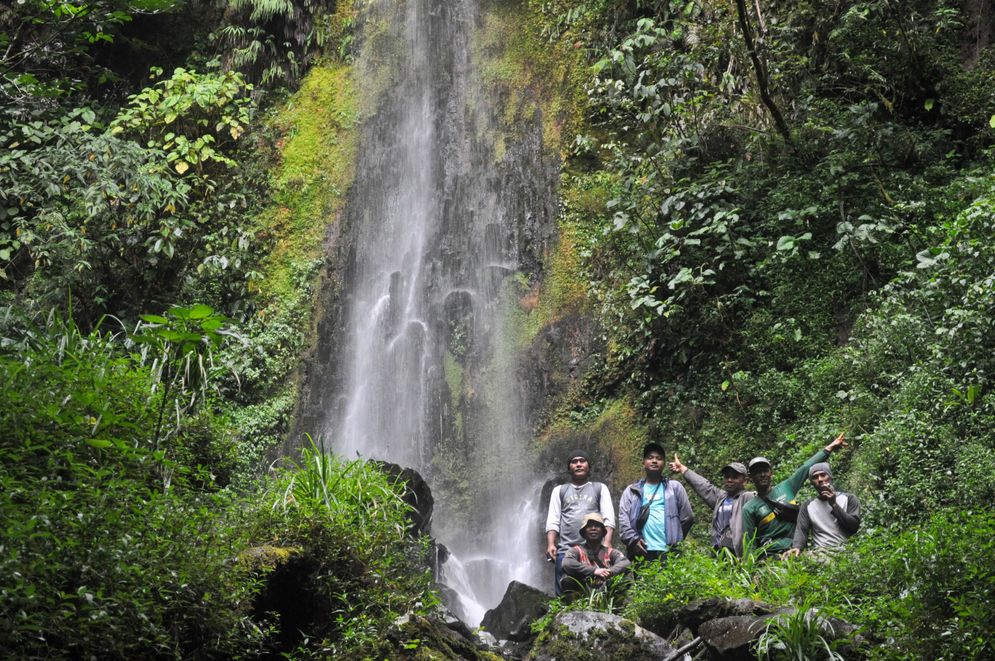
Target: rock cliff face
419	359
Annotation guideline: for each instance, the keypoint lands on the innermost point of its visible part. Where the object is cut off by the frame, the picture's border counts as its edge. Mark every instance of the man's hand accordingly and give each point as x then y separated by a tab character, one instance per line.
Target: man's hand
827	493
601	572
551	552
791	553
838	442
676	466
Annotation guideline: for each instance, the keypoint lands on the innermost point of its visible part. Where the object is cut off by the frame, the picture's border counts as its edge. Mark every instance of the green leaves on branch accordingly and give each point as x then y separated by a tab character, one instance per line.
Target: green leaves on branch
272	42
42	40
106	212
193	118
180	346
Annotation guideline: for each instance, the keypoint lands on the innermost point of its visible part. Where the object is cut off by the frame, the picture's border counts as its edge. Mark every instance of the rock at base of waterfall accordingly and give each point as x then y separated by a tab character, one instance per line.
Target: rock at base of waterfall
452	601
417	494
520	606
418	636
731	638
582	635
698	612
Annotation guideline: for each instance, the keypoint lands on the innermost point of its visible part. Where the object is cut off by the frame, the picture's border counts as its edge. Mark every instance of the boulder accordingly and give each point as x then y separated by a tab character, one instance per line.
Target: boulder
420	637
595	636
520	606
730	638
696	613
451	599
417	494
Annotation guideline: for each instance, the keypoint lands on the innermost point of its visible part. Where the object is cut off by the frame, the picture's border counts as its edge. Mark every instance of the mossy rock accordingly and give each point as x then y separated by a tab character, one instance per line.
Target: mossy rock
267	556
426	639
593	636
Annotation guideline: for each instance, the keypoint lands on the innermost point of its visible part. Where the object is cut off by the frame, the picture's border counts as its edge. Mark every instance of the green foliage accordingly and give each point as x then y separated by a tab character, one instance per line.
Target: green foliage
273	42
42	39
798	636
662	589
97	558
917	593
322	482
115	220
926	591
350	518
194	119
180	347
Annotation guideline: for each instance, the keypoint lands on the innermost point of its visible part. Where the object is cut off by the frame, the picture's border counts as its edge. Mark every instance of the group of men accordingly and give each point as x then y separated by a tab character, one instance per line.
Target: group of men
654	514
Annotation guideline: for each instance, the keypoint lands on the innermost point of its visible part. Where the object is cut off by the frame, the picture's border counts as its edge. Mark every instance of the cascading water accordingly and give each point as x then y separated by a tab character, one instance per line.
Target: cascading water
426	366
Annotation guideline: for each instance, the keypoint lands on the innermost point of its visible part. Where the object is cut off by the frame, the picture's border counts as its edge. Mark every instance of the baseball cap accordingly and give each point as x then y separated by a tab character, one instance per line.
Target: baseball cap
759	460
735	466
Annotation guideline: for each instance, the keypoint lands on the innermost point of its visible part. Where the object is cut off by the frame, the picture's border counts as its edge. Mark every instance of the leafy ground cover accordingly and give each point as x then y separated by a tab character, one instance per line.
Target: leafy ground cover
118	541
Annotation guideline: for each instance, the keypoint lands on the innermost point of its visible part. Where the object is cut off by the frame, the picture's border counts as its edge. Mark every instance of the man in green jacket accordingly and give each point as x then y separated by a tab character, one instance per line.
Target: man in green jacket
769	519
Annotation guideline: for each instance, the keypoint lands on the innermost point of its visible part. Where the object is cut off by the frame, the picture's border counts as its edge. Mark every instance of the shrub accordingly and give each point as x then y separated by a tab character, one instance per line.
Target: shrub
98	559
349	520
925	592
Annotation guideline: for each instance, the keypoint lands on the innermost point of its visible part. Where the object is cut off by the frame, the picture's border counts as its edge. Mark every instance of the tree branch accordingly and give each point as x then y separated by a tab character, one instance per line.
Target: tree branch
763	82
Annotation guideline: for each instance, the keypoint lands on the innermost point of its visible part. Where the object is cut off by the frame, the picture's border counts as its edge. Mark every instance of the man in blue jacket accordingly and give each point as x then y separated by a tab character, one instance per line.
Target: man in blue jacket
654	513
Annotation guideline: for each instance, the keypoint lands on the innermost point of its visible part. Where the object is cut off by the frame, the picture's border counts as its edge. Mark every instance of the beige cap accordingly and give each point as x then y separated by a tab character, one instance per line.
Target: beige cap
593	516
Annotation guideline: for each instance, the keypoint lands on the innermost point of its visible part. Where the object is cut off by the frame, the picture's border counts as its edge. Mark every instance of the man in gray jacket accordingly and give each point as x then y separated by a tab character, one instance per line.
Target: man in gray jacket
727	503
654	514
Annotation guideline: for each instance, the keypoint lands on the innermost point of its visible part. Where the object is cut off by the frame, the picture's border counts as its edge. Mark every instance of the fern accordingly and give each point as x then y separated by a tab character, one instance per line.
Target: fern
272	41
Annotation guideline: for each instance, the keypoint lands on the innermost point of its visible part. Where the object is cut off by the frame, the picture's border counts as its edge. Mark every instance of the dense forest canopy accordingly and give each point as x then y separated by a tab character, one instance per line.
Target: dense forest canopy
779	218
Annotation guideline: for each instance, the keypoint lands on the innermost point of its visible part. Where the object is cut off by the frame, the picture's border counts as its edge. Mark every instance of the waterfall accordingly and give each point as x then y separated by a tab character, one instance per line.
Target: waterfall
423	365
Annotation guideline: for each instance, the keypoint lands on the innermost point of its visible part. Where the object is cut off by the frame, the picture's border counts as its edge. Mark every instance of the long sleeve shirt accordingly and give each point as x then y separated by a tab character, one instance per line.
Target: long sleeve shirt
566	510
760	526
827	524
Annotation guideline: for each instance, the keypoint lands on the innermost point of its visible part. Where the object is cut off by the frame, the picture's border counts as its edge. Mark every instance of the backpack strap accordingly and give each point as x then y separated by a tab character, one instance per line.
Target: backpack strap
785	511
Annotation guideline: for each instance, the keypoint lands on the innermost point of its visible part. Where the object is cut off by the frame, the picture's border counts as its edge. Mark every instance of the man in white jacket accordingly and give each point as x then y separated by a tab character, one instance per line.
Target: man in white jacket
568	505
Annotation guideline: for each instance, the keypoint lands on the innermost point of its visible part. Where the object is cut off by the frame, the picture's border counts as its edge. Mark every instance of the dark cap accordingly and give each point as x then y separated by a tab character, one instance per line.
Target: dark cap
736	467
821	467
652	446
577	453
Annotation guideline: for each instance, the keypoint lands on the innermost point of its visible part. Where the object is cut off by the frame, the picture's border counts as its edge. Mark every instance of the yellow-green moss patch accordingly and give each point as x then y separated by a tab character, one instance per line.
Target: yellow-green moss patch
523	72
320	139
267	556
563	290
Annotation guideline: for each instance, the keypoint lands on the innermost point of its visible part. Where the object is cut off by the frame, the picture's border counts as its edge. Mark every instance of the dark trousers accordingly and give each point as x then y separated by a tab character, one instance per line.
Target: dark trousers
558	576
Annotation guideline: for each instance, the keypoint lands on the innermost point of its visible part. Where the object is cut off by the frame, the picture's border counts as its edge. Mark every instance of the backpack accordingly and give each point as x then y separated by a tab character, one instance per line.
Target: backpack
784	511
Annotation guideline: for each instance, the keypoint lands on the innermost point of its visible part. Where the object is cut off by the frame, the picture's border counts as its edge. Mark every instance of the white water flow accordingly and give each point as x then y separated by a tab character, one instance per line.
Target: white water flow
429	370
